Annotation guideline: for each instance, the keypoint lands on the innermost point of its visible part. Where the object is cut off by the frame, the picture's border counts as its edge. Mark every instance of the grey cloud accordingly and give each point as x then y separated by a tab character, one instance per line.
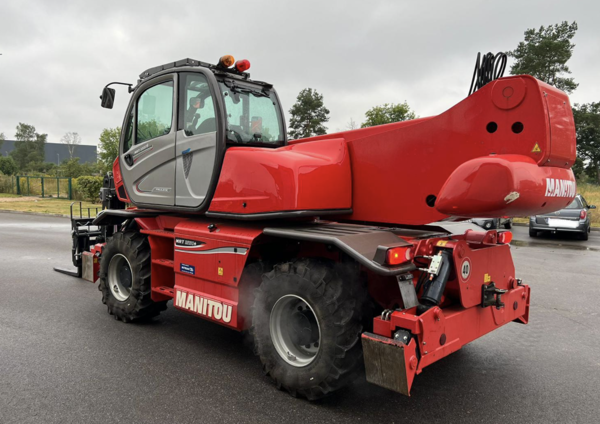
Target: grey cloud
57	56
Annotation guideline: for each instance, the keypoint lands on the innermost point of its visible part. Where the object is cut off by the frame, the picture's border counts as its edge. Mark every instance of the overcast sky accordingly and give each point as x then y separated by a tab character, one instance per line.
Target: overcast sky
57	56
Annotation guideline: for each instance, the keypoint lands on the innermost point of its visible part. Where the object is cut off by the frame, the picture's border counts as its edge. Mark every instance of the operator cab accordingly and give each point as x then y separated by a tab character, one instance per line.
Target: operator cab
180	120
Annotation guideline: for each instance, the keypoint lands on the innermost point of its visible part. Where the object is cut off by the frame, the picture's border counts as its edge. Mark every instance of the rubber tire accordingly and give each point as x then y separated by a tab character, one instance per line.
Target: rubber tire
585	236
508	225
533	233
139	305
336	297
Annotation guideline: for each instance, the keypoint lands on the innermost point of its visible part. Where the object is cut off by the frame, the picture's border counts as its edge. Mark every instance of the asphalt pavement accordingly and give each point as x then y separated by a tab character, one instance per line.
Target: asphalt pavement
63	359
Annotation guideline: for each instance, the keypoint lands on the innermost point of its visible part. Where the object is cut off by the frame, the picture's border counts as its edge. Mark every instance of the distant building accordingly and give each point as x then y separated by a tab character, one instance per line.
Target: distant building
57	152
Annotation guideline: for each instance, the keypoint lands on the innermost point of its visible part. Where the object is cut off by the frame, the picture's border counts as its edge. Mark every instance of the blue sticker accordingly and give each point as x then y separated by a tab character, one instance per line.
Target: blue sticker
188	269
189	149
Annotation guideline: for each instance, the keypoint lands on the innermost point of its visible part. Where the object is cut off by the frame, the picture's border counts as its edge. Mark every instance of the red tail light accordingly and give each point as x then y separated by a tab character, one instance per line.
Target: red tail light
505	237
583	214
242	65
399	255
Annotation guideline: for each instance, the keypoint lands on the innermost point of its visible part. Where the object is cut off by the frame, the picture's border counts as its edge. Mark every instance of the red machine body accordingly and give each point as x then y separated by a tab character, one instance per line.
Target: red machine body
505	150
299	177
199	263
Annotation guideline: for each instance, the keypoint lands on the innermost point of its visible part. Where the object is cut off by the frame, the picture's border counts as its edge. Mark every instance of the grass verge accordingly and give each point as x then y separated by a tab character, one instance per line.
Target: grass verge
53	206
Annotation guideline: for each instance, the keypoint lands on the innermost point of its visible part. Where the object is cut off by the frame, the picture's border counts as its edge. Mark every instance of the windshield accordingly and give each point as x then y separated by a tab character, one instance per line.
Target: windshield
253	114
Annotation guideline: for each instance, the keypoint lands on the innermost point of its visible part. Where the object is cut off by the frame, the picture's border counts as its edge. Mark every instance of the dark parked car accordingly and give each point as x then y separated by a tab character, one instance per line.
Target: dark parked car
575	218
493	223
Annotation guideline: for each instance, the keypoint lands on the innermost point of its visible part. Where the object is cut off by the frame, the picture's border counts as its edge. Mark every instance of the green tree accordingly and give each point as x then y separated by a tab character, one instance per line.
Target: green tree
544	54
109	146
579	168
90	187
387	114
29	147
7	165
71	168
308	115
48	168
587	126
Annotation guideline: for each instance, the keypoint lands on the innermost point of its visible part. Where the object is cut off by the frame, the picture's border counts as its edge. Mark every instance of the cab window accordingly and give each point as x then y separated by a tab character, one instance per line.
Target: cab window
154	112
129	133
253	114
198	106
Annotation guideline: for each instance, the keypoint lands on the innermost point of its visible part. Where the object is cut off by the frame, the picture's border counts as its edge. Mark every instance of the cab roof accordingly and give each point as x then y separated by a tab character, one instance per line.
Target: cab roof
230	72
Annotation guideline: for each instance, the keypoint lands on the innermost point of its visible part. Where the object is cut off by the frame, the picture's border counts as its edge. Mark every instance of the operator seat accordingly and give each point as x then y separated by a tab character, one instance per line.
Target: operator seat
209	125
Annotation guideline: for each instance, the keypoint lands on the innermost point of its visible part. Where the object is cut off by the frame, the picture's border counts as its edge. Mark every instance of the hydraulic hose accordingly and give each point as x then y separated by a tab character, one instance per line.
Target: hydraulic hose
487	69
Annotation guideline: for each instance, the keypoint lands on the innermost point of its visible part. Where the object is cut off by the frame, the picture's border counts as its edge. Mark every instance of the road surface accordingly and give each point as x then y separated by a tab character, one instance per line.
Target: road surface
63	359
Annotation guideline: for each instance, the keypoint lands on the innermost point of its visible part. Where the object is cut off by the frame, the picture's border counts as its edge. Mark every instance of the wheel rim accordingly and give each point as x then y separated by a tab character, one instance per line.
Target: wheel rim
295	330
120	277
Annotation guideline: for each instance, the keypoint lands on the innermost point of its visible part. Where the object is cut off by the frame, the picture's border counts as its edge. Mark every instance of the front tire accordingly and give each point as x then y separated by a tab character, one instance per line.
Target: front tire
532	233
125	278
307	325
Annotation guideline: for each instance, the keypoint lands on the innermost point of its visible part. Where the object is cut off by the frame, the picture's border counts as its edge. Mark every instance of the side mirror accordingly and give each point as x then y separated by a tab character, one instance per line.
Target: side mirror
107	98
592	207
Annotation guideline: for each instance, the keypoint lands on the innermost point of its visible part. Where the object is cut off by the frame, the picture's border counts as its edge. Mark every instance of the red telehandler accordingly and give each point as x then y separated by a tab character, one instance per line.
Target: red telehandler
342	253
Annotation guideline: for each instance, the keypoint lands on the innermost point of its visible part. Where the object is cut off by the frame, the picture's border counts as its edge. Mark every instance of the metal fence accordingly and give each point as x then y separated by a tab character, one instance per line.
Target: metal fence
57	187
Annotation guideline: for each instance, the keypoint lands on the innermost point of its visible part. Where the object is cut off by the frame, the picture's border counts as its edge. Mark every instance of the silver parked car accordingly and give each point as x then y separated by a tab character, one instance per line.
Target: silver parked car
575	218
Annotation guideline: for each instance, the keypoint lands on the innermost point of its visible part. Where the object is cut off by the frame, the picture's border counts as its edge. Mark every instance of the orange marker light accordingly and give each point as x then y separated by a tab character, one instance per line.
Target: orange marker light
242	65
505	237
399	255
226	61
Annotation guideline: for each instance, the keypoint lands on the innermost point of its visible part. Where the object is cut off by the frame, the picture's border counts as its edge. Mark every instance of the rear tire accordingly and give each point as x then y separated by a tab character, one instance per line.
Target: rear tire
125	278
508	225
307	326
586	235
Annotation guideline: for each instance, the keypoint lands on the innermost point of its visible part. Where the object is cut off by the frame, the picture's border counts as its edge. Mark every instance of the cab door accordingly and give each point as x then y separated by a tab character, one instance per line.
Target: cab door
147	155
197	148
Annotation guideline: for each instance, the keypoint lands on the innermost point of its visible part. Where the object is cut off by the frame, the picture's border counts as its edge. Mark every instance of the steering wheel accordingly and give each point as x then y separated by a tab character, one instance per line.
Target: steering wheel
237	131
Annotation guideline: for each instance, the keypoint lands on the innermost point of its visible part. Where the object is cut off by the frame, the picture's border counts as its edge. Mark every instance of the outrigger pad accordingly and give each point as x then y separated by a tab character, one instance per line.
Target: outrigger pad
387	362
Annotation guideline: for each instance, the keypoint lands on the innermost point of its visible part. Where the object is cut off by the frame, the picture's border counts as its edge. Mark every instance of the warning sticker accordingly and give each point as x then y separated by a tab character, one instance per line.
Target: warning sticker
536	148
442	243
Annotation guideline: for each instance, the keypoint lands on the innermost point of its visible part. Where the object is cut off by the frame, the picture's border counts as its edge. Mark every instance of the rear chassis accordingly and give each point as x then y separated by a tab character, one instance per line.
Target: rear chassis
489	297
479	293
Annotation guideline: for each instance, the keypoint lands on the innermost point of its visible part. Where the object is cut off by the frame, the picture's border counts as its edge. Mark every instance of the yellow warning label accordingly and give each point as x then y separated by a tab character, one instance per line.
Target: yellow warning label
220	270
442	243
487	278
536	148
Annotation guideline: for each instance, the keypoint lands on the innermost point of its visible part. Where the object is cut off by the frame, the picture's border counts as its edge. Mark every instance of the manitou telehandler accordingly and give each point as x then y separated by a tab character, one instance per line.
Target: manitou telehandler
339	253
